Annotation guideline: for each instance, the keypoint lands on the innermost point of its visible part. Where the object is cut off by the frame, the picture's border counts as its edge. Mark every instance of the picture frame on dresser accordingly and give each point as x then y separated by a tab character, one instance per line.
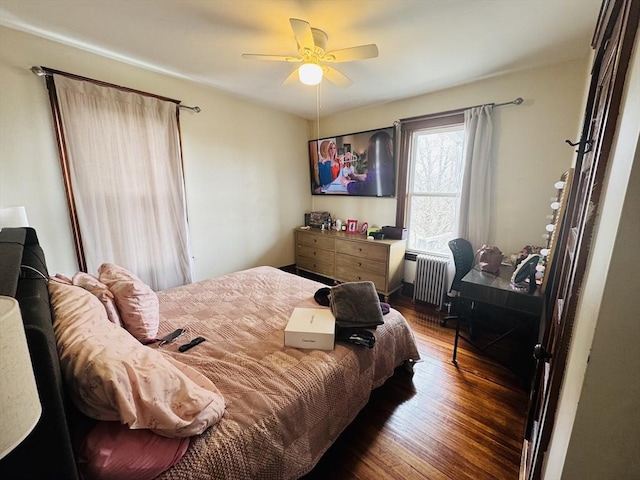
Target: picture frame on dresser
352	226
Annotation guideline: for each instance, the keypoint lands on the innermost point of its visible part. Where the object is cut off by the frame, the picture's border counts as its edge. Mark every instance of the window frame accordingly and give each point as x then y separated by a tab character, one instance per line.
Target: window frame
408	127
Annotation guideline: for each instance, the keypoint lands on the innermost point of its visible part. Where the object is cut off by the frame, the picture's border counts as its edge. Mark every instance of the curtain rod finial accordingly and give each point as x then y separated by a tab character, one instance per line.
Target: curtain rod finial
38	71
518	101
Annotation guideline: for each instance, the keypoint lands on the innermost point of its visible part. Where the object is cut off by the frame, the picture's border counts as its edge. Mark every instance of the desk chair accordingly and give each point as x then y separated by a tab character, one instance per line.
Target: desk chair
463	260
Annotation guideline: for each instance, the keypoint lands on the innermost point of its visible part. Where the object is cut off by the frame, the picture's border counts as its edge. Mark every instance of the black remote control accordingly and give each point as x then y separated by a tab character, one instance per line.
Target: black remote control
191	344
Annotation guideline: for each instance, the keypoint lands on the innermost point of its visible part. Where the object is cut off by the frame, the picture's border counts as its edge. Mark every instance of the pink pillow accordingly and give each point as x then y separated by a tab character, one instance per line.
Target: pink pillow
137	303
100	290
113	451
111	376
61	277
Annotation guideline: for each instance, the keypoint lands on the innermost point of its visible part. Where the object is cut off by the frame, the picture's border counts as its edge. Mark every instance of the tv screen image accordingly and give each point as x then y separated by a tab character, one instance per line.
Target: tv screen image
357	164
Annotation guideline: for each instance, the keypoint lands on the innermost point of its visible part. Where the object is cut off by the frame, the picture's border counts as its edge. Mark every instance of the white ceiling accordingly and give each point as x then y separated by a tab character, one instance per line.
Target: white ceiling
424	45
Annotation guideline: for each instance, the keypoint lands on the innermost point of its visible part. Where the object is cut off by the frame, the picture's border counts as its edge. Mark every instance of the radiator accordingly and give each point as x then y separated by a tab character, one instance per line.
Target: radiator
430	284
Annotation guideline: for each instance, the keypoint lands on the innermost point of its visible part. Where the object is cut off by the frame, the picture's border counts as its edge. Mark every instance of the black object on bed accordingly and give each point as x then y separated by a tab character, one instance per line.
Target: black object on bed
47	451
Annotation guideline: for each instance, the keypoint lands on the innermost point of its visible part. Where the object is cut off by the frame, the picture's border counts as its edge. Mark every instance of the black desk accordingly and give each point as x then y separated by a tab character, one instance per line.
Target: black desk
495	291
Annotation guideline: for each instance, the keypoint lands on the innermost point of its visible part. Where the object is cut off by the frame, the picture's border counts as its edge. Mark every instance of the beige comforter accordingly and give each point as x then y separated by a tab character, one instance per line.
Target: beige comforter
285	406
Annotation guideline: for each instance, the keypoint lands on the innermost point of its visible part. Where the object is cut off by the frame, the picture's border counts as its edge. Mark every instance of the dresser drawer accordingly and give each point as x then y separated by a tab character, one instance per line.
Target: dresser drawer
368	250
359	264
327	256
322	265
346	274
315	241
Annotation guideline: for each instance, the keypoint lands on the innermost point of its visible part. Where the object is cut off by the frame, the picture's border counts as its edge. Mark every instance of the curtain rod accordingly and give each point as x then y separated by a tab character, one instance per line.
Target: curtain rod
458	111
46	71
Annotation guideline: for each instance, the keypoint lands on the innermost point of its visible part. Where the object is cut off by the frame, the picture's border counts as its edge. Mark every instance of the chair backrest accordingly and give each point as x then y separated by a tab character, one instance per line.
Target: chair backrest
462	259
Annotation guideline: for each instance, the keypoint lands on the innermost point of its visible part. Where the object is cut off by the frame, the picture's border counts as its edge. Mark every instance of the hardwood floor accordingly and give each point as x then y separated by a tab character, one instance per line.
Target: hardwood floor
441	423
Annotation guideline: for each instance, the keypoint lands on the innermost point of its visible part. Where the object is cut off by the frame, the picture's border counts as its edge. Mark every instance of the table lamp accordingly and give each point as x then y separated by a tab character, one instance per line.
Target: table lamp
13	217
20	407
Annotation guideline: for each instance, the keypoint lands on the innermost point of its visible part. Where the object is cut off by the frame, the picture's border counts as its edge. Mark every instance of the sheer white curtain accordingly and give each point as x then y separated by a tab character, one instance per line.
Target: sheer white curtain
475	199
126	180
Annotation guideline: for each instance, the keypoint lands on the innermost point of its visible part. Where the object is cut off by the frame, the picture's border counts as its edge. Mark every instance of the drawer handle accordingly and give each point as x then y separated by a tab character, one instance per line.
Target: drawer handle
359	278
359	264
359	249
314	253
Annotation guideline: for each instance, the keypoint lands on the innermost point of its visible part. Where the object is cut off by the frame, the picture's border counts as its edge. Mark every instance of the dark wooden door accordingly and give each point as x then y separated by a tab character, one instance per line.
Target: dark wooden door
613	41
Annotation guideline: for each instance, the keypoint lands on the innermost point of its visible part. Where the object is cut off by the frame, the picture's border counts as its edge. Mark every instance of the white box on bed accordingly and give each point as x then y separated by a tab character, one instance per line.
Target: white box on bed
311	328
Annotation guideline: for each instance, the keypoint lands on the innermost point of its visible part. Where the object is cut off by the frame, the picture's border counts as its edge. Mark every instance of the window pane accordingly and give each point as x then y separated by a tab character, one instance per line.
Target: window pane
431	222
436	161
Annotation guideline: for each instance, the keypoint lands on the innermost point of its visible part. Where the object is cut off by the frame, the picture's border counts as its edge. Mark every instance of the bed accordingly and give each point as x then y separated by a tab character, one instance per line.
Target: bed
284	407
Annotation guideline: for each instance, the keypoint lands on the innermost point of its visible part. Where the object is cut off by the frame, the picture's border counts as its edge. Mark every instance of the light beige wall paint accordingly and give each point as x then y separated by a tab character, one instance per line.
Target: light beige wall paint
246	186
596	431
529	145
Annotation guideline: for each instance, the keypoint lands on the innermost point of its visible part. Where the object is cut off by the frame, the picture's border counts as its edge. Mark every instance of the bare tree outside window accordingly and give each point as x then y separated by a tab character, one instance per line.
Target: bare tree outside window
435	179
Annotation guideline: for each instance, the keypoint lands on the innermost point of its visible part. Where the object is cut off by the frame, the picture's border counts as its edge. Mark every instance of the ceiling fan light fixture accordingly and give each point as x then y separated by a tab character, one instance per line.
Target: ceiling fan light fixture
310	73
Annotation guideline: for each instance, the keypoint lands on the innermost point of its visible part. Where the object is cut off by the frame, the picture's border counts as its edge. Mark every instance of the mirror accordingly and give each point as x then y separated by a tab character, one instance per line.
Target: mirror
558	207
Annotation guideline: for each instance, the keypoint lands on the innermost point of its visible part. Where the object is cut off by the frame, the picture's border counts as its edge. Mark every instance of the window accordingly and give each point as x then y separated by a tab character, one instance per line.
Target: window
433	193
430	169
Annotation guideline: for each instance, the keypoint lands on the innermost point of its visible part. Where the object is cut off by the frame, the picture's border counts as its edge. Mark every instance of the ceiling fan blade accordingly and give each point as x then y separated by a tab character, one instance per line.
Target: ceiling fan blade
291	78
271	58
302	32
336	77
352	53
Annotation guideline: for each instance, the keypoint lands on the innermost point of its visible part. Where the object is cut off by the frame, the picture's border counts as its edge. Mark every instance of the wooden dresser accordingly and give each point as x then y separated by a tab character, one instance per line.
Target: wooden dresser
349	257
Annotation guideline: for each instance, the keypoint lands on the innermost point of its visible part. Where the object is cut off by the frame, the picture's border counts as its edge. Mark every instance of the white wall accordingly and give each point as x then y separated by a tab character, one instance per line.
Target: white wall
529	146
245	191
596	433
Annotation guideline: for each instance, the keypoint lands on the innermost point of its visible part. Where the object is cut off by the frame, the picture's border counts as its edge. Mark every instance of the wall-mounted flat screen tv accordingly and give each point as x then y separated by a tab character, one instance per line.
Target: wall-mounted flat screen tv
356	164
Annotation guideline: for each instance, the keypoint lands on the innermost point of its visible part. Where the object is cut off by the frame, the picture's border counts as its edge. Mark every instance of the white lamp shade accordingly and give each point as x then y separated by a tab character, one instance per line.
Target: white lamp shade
13	217
20	407
310	73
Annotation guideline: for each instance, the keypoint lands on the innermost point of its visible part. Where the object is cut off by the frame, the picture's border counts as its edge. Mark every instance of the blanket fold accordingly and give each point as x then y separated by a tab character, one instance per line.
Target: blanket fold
356	304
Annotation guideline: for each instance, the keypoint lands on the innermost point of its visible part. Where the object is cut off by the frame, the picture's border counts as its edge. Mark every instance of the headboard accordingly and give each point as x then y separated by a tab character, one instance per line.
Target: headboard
47	451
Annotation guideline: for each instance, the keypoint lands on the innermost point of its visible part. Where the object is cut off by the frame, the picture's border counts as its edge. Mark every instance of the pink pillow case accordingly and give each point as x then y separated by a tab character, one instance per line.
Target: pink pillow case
115	452
111	376
137	303
100	290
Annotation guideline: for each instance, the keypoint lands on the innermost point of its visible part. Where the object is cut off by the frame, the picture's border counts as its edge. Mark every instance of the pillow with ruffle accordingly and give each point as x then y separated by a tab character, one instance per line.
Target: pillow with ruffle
111	376
137	303
100	290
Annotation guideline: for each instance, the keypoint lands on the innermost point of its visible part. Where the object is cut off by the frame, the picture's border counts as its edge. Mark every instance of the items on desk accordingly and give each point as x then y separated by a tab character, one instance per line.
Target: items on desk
524	276
527	250
488	258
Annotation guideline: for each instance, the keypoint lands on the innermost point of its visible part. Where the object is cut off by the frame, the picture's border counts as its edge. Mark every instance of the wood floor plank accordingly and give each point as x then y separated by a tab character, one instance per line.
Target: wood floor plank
444	422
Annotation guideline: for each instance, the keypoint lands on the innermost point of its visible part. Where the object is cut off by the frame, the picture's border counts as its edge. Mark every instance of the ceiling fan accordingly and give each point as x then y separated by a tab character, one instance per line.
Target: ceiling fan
312	52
